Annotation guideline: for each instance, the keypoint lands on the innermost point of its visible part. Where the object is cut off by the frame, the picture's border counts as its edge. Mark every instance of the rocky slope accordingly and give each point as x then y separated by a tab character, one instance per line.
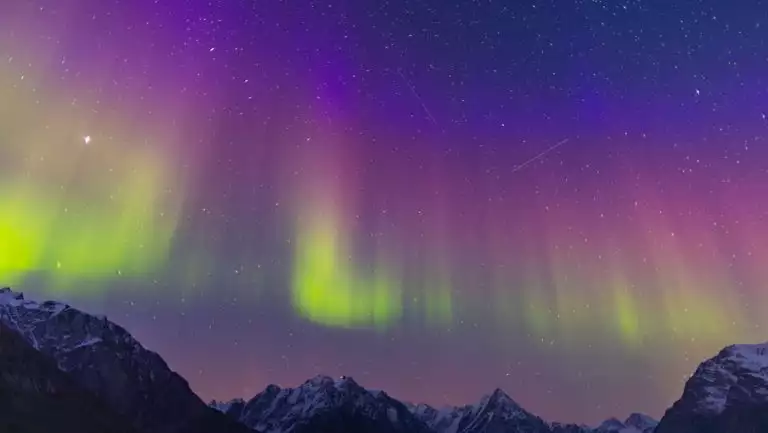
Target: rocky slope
328	405
323	404
37	397
726	394
635	423
106	360
496	412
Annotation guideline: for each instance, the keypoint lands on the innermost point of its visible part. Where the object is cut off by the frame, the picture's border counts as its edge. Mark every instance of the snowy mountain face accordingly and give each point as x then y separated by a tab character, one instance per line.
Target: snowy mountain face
106	360
309	407
37	397
496	412
727	393
232	409
635	423
445	420
641	422
328	405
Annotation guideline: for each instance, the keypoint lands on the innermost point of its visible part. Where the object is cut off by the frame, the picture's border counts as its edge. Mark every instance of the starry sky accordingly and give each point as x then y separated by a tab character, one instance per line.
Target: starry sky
564	199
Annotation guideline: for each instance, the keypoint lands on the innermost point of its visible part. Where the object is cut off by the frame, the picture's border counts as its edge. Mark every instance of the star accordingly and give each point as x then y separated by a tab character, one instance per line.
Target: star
87	139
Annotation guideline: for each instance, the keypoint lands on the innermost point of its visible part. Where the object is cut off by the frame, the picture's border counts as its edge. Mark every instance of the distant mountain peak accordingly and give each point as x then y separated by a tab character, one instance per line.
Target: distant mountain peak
224	405
641	421
323	403
319	380
612	421
500	396
500	402
611	425
635	423
342	382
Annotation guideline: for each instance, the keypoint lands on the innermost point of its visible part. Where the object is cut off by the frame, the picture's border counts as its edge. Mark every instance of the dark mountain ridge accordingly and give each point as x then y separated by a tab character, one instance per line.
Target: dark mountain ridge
106	360
89	374
37	397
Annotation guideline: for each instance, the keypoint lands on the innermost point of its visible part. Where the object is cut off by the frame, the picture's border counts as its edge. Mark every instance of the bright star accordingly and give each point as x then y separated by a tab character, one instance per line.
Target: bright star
87	139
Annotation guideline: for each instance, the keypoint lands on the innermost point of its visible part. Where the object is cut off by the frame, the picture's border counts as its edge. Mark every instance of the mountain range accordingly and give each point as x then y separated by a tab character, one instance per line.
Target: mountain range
89	375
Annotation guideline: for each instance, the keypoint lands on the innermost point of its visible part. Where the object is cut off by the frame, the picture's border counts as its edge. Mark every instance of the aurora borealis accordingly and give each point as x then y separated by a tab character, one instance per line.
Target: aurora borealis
562	199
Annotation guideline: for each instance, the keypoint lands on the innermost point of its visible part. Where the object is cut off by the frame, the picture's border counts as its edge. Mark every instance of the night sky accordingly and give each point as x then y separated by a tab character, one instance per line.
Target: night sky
564	199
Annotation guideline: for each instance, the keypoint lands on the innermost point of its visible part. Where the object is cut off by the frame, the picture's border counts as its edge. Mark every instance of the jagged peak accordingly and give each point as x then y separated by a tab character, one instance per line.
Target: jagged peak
12	298
611	424
497	402
322	380
62	337
499	392
12	302
640	420
346	380
498	396
420	407
6	294
750	356
223	406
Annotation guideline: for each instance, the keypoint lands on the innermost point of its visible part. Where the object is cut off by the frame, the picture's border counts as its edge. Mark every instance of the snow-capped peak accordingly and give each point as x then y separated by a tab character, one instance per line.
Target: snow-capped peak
224	406
751	357
498	396
737	370
500	403
16	299
279	409
9	297
635	423
319	381
613	425
641	422
322	381
444	420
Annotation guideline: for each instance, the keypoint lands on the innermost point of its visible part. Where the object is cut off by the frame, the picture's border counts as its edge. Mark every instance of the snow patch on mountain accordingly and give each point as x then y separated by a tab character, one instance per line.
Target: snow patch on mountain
105	359
89	342
443	420
740	369
325	399
635	423
226	406
38	323
641	422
